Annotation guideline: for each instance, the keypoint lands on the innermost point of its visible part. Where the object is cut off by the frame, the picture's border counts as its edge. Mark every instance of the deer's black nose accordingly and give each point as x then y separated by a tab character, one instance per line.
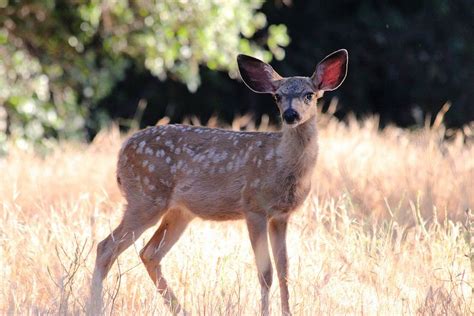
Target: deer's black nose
290	116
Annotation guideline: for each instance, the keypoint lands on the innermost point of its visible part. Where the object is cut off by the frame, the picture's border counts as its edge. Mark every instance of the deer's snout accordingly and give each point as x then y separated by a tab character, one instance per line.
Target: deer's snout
291	116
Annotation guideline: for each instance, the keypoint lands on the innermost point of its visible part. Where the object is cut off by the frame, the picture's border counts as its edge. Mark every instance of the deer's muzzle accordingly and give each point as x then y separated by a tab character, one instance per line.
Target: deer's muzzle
291	116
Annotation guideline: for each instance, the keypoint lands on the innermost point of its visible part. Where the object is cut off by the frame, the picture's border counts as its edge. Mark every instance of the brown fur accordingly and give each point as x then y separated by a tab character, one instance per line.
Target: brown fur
179	172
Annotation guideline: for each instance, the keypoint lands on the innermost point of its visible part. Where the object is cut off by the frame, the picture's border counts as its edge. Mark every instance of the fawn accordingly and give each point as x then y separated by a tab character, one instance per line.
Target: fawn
178	172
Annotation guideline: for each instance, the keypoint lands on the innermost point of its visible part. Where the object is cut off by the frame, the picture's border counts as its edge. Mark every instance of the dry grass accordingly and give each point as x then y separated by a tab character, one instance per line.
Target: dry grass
381	234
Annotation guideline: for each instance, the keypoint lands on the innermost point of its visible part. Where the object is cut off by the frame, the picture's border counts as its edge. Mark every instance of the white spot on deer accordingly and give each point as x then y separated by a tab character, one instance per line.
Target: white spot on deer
173	169
157	138
259	163
236	166
146	180
177	151
168	160
235	143
140	147
189	151
166	183
169	144
255	183
149	151
229	166
214	158
254	160
210	152
180	164
219	157
270	154
144	163
160	153
151	187
151	167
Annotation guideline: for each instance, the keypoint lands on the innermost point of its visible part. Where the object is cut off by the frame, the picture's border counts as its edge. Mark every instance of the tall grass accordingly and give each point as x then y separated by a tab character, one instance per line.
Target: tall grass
382	232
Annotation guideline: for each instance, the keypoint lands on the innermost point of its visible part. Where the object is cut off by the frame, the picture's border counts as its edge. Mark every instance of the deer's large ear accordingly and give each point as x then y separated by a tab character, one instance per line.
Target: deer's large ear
257	75
331	71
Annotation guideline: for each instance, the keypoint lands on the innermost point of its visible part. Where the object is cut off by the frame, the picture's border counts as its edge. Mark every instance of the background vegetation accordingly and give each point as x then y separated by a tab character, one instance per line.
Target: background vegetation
383	231
67	67
381	234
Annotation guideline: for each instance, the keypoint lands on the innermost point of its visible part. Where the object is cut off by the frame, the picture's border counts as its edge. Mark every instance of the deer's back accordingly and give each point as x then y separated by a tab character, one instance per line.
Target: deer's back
210	172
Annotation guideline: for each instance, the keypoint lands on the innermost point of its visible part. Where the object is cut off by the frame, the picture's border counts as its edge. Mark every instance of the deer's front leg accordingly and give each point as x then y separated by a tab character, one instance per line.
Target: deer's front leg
257	226
277	227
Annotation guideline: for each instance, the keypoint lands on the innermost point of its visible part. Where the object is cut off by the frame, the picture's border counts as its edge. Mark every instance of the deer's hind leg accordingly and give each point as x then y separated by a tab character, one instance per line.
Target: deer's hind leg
136	219
171	228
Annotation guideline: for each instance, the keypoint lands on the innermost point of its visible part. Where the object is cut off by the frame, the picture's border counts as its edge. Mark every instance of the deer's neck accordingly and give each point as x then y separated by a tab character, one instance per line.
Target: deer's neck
298	149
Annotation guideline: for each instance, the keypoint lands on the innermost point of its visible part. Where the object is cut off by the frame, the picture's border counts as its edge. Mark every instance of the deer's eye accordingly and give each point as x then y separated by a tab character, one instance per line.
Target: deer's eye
277	97
308	97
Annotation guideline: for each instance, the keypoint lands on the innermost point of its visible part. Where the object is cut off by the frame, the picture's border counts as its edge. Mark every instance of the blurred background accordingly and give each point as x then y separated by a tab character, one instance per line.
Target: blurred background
69	68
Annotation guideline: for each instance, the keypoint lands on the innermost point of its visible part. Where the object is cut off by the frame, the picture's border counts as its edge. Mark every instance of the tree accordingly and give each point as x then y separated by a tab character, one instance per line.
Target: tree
58	59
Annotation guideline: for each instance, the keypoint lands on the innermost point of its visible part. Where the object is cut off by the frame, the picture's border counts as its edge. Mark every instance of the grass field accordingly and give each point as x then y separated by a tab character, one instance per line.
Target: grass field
382	233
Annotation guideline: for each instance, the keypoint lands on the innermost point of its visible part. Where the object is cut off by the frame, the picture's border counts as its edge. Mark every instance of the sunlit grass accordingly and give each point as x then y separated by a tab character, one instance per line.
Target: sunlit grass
382	232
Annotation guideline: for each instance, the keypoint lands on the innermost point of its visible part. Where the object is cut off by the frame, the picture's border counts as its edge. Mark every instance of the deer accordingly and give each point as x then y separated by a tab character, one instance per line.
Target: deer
178	172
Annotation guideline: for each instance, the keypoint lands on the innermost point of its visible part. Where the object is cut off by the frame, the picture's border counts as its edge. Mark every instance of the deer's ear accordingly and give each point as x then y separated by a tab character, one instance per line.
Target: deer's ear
257	75
331	71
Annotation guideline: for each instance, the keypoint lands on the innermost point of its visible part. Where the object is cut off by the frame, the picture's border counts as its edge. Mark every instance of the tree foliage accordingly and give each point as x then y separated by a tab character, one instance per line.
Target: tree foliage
66	66
58	59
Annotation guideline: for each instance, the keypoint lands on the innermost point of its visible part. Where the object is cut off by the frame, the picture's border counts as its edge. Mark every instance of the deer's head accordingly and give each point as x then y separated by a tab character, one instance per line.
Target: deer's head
296	97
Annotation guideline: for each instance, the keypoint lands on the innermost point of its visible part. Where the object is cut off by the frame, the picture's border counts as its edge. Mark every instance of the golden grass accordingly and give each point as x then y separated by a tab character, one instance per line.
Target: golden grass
381	233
